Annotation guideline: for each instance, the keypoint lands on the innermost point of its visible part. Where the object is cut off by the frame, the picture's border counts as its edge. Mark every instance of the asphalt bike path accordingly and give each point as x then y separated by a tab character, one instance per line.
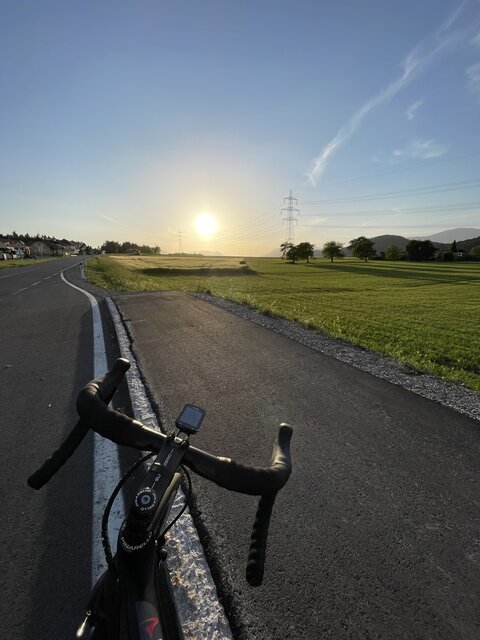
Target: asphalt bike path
377	535
46	356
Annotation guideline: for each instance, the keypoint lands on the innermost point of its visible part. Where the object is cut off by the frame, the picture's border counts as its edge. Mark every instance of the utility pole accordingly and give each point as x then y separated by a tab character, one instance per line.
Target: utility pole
180	246
290	213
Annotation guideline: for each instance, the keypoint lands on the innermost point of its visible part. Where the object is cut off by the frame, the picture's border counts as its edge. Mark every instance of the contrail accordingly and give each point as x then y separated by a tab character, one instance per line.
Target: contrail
415	61
101	215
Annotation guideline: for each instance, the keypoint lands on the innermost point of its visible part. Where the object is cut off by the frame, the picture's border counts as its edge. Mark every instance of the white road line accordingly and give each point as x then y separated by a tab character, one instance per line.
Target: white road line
200	612
106	467
46	278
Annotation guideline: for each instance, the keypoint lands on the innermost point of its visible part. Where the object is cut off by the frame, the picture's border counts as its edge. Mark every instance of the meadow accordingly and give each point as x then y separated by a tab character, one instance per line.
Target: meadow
426	315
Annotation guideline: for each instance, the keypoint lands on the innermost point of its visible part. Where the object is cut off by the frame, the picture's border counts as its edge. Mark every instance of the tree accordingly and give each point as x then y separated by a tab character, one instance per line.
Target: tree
110	246
475	251
393	252
447	256
304	250
332	249
284	247
453	248
292	253
362	248
129	247
420	250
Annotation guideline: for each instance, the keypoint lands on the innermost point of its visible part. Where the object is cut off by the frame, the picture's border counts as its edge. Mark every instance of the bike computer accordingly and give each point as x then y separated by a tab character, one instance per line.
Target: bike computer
190	419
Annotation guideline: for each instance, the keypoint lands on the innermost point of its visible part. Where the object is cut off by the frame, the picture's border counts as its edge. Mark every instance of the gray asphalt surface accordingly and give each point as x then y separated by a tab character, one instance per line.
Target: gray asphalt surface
378	533
46	356
43	328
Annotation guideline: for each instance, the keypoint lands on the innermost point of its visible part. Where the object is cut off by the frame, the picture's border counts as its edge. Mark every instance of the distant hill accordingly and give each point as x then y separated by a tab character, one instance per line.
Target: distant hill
448	236
383	242
466	239
469	244
462	244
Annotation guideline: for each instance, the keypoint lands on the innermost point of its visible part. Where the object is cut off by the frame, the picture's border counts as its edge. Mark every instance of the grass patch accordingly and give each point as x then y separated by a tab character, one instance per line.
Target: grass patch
205	272
23	262
425	315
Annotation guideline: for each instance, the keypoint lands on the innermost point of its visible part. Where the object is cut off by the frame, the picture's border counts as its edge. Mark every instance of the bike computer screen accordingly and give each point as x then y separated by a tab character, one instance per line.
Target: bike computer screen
190	418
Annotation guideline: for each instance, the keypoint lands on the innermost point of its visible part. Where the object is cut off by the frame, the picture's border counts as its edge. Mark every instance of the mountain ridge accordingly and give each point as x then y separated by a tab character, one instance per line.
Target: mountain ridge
463	236
448	236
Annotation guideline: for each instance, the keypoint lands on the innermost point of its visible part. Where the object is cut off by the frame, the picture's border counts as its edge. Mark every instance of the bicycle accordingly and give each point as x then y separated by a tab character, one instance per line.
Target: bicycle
133	599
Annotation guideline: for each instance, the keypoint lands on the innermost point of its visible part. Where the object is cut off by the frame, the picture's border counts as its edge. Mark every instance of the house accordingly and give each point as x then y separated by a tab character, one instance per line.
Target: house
7	247
42	248
16	247
461	253
21	248
70	248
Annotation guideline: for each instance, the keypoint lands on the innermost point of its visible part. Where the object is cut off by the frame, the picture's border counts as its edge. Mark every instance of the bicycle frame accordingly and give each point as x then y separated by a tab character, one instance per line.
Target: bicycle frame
133	598
144	573
141	590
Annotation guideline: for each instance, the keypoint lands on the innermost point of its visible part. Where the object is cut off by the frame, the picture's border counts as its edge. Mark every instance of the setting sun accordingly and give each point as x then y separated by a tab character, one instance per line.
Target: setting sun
206	225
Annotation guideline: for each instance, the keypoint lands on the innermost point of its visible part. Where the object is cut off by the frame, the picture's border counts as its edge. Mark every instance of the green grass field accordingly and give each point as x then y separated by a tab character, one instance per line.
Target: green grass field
423	314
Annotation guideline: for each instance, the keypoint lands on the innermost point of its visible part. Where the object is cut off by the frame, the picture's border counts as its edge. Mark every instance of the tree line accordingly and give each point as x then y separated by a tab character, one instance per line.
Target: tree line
363	248
111	246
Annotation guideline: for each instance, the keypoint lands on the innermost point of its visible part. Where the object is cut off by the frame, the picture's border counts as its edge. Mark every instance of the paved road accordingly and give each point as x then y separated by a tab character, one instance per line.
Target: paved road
378	533
45	357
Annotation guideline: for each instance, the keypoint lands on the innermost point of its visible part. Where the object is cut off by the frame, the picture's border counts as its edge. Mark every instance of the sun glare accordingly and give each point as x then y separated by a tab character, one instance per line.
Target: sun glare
206	225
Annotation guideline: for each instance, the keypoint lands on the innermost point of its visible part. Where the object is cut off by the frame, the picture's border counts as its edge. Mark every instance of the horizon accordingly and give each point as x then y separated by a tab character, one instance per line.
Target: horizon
153	122
454	236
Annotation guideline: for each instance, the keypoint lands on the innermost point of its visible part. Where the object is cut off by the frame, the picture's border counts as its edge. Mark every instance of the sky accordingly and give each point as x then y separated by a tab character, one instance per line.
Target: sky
127	120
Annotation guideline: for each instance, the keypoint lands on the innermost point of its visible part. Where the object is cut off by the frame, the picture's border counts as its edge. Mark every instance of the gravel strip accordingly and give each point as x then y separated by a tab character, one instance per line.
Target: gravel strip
454	396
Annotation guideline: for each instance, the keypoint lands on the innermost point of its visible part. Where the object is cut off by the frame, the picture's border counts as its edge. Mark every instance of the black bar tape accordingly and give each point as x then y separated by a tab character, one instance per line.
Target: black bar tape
104	386
107	384
258	542
50	467
116	426
255	481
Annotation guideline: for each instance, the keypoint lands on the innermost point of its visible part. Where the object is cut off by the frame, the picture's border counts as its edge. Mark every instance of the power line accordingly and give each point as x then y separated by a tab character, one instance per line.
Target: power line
376	226
439	188
400	211
403	169
239	229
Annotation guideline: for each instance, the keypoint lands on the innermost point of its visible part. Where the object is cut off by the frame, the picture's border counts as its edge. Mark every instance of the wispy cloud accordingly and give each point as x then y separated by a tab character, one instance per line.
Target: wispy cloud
414	63
476	40
423	149
101	215
410	112
473	79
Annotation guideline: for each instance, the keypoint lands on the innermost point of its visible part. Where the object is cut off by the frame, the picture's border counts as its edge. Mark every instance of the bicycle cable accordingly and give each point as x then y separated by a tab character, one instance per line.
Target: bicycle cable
107	549
187	498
